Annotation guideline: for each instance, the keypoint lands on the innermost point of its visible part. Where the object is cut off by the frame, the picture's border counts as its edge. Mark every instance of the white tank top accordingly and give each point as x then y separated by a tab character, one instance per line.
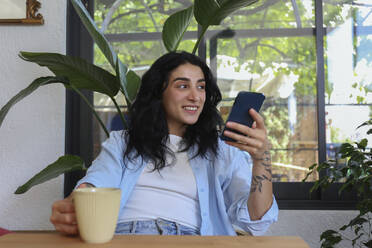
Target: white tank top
170	194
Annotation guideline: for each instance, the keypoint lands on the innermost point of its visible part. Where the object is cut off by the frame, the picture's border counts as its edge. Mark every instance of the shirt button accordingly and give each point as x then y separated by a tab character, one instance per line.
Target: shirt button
204	214
202	190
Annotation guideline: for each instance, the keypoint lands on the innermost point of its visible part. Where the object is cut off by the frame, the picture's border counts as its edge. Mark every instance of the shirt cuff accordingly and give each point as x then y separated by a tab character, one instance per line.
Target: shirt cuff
88	180
257	227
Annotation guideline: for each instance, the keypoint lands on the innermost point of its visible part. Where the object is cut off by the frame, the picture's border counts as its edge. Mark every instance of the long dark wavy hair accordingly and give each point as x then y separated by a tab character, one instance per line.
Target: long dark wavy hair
148	130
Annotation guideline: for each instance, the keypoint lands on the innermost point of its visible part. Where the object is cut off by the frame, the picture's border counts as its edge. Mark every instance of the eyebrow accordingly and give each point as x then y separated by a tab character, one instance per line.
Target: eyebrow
187	79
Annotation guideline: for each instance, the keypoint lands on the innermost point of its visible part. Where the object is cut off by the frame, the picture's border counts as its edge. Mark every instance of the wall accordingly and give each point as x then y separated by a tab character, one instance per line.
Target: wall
32	135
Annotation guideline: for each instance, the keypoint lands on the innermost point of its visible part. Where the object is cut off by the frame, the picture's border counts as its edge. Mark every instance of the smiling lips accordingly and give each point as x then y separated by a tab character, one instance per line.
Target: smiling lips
190	109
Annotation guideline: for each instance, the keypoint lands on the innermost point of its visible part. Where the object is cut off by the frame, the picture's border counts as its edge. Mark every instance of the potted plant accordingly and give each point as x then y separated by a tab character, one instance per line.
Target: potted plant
356	175
77	74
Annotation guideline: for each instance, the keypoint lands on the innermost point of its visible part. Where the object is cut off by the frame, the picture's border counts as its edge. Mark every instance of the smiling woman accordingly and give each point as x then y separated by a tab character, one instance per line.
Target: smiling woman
20	12
177	177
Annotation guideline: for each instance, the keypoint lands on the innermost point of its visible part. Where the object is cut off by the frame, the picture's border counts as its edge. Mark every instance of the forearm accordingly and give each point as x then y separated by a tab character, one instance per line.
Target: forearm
260	198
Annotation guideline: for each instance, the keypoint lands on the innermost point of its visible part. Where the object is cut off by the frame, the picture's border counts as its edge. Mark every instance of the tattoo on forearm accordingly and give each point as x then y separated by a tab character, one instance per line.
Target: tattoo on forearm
267	168
266	162
265	157
257	182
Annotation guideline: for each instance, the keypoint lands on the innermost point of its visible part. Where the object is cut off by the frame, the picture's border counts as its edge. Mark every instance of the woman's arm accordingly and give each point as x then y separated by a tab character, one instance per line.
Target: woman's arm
105	171
255	142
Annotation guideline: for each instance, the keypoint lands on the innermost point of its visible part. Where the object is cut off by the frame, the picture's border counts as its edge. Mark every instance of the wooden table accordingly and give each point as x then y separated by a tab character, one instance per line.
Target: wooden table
55	240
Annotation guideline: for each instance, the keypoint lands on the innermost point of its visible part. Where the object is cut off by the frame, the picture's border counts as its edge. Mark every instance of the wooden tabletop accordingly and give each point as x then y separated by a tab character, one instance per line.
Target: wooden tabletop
55	240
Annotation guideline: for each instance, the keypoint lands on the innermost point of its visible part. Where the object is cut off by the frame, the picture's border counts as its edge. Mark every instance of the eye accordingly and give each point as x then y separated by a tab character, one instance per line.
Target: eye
201	86
182	86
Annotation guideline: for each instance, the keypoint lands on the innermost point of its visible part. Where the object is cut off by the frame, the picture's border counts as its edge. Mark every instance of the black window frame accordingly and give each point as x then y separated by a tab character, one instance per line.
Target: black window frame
289	195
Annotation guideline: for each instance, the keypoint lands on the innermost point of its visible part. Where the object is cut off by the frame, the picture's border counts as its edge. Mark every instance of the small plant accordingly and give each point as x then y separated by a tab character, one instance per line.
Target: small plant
356	175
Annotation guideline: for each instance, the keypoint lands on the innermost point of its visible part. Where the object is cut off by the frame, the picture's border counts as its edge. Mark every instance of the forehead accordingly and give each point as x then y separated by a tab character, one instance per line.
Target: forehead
187	70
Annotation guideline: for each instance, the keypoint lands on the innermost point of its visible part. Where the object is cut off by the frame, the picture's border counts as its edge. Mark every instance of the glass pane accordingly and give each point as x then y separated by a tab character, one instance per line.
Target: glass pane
284	70
282	67
349	73
340	12
272	14
136	16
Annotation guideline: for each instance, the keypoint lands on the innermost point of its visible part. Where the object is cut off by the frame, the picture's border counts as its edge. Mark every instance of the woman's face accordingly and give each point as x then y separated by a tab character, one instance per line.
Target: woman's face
184	97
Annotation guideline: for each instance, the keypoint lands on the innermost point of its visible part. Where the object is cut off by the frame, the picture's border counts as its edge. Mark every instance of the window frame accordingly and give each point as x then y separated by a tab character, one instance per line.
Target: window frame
79	117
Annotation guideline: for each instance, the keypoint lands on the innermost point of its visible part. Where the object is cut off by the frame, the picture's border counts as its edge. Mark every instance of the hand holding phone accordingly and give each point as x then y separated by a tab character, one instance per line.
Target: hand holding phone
240	110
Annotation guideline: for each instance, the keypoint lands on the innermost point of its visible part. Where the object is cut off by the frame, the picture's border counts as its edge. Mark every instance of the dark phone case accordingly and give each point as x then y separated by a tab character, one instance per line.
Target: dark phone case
239	112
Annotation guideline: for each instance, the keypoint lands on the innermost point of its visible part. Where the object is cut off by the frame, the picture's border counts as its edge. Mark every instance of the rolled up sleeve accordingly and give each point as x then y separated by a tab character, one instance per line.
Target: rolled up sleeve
256	227
237	194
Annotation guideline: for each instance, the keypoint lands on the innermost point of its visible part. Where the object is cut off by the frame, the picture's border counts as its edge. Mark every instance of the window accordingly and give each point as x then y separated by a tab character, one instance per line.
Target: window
311	59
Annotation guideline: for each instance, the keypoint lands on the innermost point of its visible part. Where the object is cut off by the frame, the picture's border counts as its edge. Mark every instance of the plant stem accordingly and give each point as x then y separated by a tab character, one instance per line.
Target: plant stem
199	39
92	108
120	113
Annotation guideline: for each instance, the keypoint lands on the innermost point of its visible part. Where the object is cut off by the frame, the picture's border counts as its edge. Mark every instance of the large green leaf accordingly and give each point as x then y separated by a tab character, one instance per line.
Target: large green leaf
80	73
27	91
121	76
102	43
64	164
212	12
34	86
175	27
134	83
93	30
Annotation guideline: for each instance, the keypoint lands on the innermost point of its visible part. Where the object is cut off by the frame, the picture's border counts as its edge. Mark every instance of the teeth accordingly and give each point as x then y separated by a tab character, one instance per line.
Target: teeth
190	108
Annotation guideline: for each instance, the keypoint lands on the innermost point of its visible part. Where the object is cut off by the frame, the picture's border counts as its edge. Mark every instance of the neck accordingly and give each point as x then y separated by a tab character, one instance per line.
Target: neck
178	131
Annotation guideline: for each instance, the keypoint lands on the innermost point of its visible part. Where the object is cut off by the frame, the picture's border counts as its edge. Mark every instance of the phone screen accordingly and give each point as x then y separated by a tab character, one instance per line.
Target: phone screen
239	112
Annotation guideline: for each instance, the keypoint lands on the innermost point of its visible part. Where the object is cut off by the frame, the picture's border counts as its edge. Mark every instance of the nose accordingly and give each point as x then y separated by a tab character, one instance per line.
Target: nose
194	94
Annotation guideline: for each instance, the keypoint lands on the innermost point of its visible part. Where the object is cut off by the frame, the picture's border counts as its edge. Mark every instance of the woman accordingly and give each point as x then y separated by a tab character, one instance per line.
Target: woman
176	175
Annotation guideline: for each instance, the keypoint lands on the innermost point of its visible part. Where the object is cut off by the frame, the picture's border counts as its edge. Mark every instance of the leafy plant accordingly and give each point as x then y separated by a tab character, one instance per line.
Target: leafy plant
78	74
357	175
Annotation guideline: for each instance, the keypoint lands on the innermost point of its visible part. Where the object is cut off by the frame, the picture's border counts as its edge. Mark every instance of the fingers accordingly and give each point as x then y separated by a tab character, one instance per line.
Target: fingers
257	118
67	229
253	140
63	219
253	132
250	149
63	216
63	206
254	125
85	185
244	140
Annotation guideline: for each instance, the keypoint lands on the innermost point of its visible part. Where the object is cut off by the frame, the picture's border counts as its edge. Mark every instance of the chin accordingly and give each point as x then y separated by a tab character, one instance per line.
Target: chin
190	122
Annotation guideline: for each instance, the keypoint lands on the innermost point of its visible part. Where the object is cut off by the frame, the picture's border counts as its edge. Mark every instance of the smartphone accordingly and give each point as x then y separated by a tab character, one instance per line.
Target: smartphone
244	101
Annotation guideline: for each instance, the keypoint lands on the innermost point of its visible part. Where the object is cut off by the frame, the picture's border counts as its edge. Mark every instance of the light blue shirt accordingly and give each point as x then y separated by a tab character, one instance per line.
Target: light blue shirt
223	185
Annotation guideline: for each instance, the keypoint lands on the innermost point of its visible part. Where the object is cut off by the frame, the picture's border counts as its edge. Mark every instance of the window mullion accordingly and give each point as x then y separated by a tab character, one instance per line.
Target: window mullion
79	126
320	81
